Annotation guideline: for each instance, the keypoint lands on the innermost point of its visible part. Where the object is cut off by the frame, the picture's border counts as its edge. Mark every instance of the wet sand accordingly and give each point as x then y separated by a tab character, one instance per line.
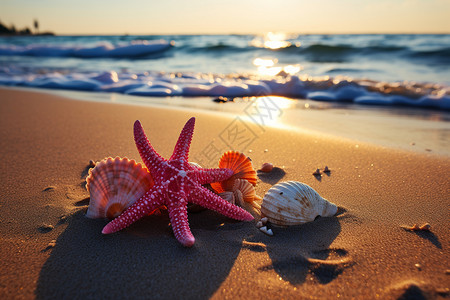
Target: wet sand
49	249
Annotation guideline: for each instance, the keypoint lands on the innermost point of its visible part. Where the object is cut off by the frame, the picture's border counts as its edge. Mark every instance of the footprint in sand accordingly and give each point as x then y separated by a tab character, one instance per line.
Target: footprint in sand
324	265
327	264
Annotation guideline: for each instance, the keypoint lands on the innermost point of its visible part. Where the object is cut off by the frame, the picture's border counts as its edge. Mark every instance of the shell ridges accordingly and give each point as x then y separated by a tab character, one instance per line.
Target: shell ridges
114	184
292	203
242	169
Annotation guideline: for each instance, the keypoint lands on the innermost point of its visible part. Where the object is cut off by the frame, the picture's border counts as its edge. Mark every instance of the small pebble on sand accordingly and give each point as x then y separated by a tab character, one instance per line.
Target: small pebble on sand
425	227
266	231
416	227
266	167
317	172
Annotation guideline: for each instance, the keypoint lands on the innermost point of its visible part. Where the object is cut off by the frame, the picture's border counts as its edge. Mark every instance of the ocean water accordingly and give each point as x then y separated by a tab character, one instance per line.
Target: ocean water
381	70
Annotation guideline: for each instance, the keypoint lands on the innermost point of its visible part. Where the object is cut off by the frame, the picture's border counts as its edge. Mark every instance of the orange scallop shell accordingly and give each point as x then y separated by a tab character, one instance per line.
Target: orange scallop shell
242	169
114	184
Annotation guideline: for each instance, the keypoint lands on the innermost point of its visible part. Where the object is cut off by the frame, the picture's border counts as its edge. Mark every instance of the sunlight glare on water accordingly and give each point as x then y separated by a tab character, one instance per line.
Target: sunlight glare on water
266	67
273	41
276	40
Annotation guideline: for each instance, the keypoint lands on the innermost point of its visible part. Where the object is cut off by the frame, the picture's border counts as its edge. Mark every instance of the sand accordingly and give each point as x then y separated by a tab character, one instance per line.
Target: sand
49	249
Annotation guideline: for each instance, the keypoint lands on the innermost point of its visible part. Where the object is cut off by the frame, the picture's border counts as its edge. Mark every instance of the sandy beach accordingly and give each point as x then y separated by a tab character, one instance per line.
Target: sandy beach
50	250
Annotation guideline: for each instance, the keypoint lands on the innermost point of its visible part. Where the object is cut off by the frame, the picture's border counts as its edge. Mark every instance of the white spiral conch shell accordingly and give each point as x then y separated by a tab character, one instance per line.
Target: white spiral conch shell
293	203
114	184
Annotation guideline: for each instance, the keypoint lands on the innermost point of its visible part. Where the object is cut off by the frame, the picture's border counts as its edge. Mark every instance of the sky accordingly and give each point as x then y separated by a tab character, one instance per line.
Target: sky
227	17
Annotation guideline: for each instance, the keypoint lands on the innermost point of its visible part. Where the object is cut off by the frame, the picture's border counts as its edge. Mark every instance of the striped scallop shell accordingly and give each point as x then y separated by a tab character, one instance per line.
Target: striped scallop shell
114	184
244	195
242	169
242	192
293	203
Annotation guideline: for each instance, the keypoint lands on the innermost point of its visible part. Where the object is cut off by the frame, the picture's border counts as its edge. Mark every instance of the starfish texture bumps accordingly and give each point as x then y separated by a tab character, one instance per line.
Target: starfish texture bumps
176	183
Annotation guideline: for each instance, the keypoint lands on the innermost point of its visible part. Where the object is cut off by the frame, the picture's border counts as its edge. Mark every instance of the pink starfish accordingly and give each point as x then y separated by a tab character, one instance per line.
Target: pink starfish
176	183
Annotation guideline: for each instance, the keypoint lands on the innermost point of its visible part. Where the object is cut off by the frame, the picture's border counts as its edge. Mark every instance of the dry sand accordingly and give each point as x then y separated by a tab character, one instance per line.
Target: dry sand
49	249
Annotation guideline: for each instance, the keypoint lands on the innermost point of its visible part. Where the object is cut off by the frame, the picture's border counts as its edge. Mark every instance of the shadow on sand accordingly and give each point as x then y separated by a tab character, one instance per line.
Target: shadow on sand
273	177
430	236
143	261
300	250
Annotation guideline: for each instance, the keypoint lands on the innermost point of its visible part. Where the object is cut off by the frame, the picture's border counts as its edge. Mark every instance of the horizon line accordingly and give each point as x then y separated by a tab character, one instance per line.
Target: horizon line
260	33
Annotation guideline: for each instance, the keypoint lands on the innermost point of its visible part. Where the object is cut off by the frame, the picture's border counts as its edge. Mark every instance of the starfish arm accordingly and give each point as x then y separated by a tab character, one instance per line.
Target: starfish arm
178	218
181	150
209	200
146	150
145	205
213	175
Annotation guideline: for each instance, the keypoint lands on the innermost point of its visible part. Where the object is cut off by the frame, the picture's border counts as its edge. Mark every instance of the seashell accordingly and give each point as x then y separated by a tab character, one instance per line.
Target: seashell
293	203
114	184
244	195
266	167
425	227
266	230
241	192
229	196
242	169
244	192
416	227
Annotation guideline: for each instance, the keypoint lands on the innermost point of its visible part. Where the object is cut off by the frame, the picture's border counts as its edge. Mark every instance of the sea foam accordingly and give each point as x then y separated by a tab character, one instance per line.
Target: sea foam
160	84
